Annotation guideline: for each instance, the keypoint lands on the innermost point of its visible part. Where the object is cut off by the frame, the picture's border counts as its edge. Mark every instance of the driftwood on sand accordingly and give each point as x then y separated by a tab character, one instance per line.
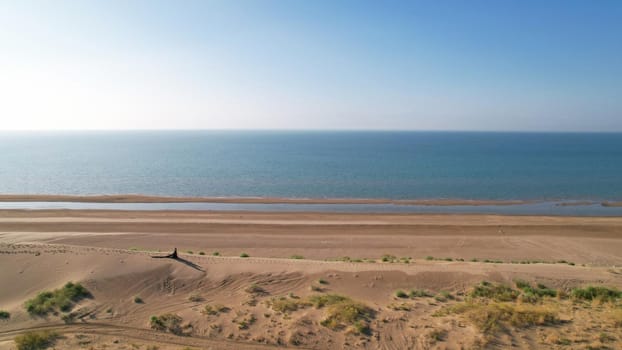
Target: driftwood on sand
170	256
175	257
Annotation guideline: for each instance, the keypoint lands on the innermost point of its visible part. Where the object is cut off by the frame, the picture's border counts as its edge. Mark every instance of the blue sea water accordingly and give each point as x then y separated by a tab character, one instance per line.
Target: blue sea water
399	165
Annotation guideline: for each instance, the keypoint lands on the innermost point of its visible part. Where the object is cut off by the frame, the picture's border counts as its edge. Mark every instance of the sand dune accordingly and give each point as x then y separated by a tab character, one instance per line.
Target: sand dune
106	252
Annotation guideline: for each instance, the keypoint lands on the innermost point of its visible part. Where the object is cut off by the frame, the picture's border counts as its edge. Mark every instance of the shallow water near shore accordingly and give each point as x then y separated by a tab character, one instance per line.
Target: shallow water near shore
537	208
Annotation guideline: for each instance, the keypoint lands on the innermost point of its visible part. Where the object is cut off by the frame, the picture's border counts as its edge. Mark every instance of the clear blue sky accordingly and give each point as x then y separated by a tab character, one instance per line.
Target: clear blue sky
423	65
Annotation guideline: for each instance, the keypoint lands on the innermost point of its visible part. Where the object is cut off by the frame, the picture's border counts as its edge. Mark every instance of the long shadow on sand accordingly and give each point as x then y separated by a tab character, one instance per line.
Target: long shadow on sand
190	263
175	257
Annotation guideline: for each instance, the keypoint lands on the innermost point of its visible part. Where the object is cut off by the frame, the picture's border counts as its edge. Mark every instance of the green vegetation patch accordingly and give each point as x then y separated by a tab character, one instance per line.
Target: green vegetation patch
596	292
348	313
247	322
62	299
167	323
413	293
343	258
342	312
497	292
389	258
401	294
4	315
419	293
533	294
287	305
35	340
320	301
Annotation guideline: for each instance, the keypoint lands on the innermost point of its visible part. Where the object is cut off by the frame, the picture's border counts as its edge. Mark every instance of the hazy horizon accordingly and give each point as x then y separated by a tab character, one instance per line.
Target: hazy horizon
259	130
523	66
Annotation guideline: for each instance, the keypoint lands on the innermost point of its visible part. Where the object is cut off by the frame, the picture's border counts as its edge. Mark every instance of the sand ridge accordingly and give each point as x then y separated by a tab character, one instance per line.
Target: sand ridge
582	240
115	276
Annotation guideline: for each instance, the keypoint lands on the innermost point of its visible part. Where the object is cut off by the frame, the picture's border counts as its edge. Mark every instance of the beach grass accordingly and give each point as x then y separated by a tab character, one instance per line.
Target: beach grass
596	293
195	298
419	293
342	312
36	340
494	291
167	323
494	316
287	305
215	309
255	289
61	299
401	294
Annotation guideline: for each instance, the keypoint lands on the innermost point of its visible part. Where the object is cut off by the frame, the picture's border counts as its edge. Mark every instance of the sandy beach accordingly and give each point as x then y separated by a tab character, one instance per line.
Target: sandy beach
366	257
583	240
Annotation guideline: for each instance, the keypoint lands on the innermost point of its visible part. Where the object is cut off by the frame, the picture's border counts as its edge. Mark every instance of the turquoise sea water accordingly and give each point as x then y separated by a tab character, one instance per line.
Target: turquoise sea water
400	165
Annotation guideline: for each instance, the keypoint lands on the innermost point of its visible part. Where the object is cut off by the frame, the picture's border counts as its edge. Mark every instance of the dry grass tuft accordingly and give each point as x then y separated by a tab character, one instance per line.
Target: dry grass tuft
326	299
342	312
215	309
286	305
35	340
167	323
401	306
348	313
491	317
255	290
195	298
616	317
497	292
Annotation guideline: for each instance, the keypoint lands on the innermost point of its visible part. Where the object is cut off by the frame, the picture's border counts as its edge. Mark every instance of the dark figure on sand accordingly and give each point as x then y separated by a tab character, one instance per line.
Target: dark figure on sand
170	256
174	256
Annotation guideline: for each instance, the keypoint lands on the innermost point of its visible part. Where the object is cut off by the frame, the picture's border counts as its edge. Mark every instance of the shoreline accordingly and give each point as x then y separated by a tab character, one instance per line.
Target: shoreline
345	218
137	198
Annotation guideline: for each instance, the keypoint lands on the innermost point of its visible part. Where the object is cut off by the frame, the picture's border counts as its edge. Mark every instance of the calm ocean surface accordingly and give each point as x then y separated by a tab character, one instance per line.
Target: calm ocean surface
399	165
